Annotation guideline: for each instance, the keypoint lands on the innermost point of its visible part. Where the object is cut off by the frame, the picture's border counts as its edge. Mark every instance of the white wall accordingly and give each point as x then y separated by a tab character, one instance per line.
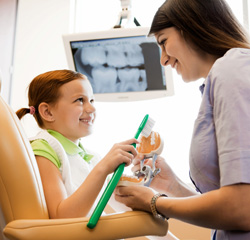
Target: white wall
39	48
39	45
7	26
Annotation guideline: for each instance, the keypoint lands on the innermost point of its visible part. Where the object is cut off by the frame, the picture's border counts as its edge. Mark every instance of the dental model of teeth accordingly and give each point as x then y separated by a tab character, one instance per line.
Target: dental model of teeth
153	144
150	146
127	180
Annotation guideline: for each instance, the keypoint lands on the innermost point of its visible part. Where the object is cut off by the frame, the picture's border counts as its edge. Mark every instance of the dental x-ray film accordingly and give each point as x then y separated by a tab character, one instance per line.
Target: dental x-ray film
122	64
128	64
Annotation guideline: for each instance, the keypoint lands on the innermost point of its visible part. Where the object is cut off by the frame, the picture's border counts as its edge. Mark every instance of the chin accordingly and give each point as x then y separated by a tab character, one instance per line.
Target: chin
184	80
87	133
188	79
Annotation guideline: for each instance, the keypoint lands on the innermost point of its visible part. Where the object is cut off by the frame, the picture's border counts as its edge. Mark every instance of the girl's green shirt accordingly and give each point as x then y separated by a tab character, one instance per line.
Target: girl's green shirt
42	148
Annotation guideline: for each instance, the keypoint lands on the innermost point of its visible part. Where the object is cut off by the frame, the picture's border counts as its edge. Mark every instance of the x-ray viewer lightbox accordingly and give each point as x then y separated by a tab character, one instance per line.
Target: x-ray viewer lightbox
121	64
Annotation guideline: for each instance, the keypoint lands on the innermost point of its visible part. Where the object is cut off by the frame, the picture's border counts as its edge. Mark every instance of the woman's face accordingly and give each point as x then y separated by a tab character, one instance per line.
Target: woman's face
74	113
177	53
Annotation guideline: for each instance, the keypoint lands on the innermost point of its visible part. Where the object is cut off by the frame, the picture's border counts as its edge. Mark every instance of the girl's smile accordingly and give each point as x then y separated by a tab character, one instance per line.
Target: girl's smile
87	120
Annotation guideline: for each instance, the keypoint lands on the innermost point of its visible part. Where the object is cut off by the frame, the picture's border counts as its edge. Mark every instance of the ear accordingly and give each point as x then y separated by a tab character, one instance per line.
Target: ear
45	112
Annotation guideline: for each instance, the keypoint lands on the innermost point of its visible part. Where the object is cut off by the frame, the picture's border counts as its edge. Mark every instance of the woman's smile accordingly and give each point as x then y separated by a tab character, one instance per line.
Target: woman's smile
190	63
175	65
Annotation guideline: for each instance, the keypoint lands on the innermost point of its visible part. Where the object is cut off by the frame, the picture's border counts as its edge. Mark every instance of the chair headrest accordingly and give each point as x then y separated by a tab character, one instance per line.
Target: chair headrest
0	80
20	186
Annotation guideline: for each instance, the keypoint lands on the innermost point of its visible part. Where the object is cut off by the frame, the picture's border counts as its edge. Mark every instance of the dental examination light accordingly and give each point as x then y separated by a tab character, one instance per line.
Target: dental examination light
126	14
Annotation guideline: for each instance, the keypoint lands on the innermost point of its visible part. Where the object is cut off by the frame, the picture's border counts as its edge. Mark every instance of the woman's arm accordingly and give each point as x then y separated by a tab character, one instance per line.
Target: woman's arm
226	208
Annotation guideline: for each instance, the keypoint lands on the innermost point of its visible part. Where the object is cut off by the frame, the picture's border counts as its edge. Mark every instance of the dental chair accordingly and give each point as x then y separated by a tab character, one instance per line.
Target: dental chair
23	210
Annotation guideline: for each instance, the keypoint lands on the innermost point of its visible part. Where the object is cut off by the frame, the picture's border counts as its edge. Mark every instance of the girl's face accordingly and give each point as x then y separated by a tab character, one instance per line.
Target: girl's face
177	53
74	113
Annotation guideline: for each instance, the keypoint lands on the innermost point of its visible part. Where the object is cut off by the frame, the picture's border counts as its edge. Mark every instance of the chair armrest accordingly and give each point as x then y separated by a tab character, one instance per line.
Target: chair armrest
113	226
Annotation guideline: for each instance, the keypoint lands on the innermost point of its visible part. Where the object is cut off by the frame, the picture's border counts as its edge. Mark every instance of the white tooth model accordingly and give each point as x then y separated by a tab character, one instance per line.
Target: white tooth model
128	180
151	145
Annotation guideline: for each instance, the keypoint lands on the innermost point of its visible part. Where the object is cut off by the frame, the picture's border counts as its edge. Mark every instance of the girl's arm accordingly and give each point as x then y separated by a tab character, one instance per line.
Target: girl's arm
76	205
80	202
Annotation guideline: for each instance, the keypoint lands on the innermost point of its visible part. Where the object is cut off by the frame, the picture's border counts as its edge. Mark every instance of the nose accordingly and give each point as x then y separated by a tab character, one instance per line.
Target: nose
164	58
90	108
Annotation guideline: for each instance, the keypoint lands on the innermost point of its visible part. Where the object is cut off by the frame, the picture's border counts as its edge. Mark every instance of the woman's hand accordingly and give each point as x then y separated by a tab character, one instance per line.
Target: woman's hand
164	180
135	197
122	152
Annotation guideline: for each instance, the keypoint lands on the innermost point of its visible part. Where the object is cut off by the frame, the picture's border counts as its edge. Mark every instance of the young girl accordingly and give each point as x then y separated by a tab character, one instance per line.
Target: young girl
62	103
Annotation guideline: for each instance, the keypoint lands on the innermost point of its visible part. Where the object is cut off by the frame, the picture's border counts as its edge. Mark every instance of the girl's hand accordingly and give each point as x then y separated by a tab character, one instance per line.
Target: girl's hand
122	152
135	197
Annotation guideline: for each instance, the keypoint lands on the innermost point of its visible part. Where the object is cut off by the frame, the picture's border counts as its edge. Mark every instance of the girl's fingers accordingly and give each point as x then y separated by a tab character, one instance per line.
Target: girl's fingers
128	148
130	141
138	159
129	155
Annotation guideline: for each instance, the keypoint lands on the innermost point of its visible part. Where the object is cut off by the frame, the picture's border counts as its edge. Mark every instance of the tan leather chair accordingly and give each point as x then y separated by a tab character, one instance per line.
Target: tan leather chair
23	211
0	81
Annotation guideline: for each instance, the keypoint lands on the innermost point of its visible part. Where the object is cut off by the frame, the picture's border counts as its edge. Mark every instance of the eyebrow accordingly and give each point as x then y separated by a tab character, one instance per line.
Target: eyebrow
157	38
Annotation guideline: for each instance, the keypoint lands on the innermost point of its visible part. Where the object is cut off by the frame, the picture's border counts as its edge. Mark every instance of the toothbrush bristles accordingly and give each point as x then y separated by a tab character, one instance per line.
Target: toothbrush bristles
148	127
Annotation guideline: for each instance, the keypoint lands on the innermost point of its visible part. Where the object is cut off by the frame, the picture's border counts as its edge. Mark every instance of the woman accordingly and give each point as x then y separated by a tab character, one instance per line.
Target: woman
202	39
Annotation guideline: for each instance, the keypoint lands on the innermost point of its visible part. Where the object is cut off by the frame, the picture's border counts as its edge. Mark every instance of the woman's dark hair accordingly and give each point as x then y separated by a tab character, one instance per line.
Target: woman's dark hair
208	24
45	88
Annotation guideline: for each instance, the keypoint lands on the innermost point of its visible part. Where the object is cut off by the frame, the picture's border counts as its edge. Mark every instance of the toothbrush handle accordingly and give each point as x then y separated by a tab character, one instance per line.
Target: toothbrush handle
106	196
134	145
112	184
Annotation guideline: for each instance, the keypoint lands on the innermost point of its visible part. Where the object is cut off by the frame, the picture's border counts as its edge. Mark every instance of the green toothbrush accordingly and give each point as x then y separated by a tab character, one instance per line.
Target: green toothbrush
145	129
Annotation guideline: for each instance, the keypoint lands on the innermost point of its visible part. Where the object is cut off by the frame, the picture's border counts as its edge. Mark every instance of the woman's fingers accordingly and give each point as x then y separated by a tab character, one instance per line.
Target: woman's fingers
135	197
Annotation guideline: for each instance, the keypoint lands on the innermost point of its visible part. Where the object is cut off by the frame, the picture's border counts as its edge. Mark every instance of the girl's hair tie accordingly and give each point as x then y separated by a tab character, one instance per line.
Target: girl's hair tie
32	110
